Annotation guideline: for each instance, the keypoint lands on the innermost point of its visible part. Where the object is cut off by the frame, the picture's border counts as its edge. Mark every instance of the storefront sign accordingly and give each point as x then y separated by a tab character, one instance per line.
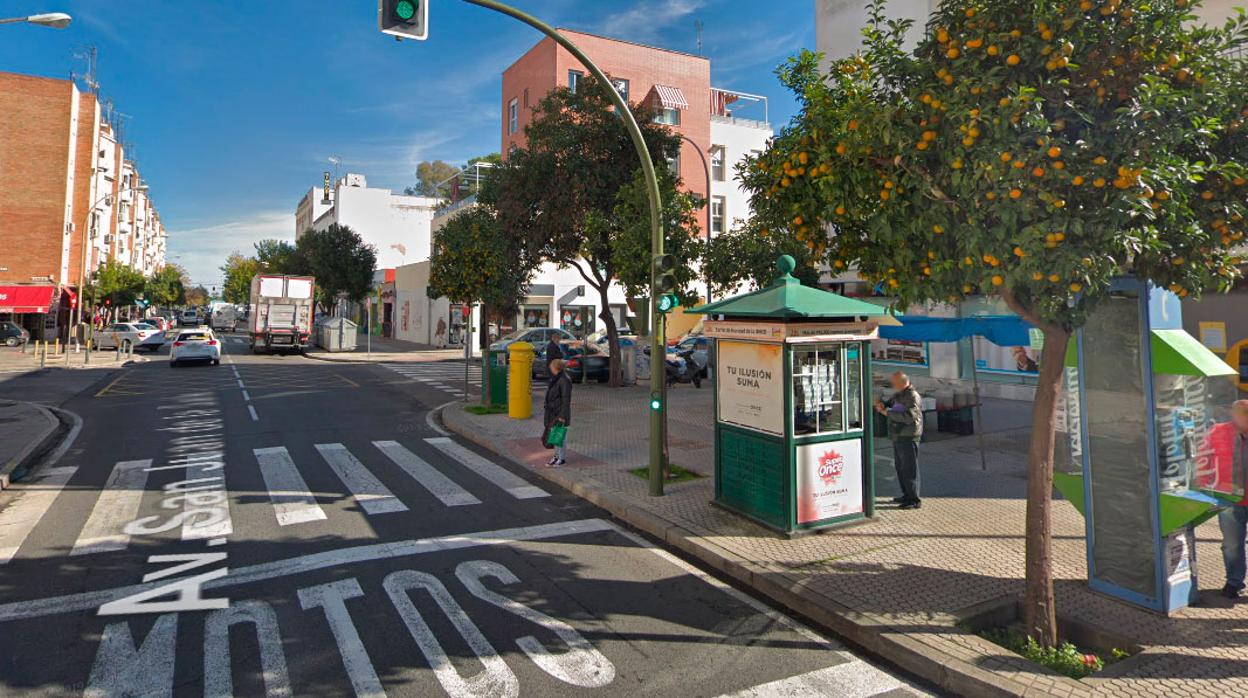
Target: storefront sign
779	331
829	480
751	387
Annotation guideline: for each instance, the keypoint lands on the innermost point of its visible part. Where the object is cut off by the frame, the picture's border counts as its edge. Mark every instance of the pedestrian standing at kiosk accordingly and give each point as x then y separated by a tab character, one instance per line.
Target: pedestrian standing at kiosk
1228	447
905	428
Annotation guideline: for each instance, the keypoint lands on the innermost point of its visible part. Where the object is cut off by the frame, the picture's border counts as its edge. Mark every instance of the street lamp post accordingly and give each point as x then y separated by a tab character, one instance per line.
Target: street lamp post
658	436
83	270
55	20
706	168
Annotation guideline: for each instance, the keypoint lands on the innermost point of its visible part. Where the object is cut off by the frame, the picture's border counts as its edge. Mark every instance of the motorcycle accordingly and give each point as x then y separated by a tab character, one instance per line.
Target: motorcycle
682	368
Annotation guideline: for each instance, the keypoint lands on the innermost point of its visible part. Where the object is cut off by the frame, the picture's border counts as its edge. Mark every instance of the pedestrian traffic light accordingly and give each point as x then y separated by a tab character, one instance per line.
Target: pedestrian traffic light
668	302
404	19
656	402
665	282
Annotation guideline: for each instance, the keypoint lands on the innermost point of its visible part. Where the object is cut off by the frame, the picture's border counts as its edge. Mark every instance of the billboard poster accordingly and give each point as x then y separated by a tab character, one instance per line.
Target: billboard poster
991	358
899	352
829	480
751	386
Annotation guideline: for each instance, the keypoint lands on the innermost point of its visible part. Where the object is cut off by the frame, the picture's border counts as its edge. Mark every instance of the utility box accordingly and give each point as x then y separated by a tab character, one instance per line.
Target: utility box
793	393
495	392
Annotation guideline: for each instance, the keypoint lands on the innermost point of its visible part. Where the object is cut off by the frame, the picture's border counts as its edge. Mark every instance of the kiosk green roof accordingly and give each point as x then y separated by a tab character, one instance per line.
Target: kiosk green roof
788	298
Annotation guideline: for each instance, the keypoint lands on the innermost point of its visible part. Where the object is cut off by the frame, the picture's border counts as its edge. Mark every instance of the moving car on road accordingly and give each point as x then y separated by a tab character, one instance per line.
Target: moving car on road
195	345
188	318
13	334
130	336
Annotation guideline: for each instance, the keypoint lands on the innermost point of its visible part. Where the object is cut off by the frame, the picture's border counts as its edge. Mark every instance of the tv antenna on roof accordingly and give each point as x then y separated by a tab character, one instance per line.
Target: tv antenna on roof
697	25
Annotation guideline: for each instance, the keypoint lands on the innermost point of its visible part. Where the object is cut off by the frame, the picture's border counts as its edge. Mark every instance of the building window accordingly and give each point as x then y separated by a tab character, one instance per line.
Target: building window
718	169
621	86
671	117
513	116
574	79
718	212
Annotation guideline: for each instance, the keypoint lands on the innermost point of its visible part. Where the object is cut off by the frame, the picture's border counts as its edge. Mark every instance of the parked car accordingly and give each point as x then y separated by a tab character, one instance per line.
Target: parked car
597	363
189	318
538	337
195	345
159	322
127	336
13	334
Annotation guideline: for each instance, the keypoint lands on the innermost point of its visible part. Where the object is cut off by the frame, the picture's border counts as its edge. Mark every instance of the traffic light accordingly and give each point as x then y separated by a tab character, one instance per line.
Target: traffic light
665	282
405	19
656	402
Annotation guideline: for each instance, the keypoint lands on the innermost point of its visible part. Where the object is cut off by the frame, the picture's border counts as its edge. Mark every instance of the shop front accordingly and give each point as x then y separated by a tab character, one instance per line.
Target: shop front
35	307
577	319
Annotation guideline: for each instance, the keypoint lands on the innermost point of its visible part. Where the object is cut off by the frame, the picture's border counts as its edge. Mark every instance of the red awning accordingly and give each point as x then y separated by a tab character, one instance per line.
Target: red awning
671	97
26	299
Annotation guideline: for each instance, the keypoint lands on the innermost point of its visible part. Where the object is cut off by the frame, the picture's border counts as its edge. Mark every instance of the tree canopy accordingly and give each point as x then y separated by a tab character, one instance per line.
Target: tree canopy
428	175
279	257
560	196
473	262
747	254
238	272
1027	149
117	283
197	296
341	261
166	286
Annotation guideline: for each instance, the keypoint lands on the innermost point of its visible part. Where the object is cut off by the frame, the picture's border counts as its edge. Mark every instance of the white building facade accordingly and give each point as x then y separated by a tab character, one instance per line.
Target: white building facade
396	224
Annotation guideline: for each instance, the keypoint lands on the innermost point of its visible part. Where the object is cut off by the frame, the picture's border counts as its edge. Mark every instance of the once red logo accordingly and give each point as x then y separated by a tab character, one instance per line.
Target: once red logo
831	465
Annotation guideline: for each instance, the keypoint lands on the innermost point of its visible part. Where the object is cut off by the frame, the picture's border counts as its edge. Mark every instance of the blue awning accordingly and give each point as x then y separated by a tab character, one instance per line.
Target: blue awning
1002	330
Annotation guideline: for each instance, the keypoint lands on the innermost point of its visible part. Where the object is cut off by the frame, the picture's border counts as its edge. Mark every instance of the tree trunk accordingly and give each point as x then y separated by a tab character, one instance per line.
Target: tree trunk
613	337
1039	600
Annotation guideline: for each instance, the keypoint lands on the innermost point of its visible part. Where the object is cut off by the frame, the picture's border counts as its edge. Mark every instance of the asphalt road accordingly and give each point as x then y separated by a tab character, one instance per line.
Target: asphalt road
283	526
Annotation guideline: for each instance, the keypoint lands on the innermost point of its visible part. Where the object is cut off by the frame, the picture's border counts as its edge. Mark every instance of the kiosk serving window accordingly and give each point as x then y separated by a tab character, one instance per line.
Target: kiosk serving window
826	398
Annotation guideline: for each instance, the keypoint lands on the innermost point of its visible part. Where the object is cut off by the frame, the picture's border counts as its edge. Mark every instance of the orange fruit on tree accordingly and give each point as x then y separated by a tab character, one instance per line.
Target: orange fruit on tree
1018	252
1055	278
1037	276
1006	157
953	53
1076	287
1014	193
1098	182
1019	164
997	280
1012	59
1037	171
1055	152
1078	180
937	229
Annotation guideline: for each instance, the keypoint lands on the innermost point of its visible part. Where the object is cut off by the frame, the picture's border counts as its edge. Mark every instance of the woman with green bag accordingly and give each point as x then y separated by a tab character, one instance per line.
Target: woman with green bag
557	413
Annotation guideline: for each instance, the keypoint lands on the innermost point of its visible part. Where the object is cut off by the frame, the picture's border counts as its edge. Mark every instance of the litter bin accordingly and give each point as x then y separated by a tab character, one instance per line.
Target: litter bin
495	393
336	334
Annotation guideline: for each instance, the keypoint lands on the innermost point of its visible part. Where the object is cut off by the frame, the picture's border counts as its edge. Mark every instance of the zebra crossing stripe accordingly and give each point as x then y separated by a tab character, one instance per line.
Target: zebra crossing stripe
439	485
372	496
852	679
117	505
20	518
292	502
510	482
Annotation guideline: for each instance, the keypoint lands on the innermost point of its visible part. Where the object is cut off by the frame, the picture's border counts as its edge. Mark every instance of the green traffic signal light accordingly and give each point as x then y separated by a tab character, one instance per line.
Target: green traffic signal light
405	9
655	403
668	302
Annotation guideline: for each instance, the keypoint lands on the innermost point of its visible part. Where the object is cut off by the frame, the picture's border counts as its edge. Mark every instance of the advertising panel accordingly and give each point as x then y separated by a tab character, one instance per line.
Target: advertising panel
990	358
829	480
899	352
751	387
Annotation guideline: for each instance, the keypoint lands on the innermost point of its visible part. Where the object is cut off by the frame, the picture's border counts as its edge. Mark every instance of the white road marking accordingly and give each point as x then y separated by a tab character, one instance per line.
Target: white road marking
851	679
331	559
292	502
331	598
513	484
246	396
240	382
429	421
33	500
252	411
496	679
372	496
439	485
117	506
121	669
218	679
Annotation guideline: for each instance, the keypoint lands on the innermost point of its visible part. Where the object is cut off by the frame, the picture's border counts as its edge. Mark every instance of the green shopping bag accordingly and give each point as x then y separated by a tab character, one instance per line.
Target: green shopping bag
558	433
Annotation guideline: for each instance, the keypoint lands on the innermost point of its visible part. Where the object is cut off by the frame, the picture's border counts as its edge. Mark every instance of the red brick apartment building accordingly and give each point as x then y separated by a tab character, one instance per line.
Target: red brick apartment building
669	80
67	201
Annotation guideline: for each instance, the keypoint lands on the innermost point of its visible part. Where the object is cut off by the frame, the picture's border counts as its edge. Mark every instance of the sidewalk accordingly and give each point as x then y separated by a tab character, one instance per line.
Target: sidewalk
24	428
900	585
385	350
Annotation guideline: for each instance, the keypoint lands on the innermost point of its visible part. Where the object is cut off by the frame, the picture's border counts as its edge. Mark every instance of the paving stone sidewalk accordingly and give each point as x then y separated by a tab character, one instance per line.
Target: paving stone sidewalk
899	585
386	350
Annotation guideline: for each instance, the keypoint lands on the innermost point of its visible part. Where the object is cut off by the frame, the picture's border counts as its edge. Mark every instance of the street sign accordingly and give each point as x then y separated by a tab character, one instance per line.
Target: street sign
404	19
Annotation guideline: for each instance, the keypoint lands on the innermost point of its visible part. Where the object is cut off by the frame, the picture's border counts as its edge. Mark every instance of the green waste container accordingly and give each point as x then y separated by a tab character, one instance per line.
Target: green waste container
495	393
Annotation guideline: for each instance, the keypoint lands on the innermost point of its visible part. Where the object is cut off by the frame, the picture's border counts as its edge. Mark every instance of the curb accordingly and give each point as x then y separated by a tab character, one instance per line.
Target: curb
866	630
36	448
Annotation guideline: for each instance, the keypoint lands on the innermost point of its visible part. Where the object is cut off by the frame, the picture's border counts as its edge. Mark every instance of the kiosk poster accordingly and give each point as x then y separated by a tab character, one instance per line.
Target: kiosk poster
829	480
990	358
751	391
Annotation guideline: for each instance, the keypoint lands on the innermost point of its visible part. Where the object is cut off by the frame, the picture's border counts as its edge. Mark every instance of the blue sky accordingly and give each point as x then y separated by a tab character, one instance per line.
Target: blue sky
235	107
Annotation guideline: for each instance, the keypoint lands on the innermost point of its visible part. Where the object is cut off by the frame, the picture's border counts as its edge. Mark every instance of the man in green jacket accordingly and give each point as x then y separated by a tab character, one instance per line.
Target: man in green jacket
904	413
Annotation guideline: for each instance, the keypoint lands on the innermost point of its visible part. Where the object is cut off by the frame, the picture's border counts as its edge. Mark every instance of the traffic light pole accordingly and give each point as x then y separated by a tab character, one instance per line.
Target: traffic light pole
658	352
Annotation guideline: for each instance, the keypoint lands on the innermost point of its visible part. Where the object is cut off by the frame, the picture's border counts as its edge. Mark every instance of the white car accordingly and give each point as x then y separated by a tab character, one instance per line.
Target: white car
125	336
195	345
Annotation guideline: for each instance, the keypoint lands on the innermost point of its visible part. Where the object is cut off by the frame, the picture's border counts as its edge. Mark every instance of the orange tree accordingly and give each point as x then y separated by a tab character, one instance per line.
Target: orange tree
1031	150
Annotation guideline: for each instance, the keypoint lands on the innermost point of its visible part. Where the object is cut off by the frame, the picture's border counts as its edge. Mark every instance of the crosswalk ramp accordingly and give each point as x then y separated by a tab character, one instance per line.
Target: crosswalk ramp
447	376
428	473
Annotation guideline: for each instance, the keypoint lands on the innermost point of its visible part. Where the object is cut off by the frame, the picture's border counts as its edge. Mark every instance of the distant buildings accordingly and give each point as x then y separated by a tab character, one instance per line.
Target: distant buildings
396	224
70	201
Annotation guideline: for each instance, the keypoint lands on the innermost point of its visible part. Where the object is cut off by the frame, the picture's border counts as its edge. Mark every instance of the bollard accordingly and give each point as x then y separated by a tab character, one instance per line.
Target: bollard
519	383
43	356
87	359
56	348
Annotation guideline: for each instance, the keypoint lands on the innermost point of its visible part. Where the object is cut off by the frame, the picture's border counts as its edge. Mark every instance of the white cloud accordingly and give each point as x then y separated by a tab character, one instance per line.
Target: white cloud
201	247
646	20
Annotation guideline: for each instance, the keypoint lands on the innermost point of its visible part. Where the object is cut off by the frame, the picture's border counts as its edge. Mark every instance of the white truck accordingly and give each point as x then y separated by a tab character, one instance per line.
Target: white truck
280	313
223	317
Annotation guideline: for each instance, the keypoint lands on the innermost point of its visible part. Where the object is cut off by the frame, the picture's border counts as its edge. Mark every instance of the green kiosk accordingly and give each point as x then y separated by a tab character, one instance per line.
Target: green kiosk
792	404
